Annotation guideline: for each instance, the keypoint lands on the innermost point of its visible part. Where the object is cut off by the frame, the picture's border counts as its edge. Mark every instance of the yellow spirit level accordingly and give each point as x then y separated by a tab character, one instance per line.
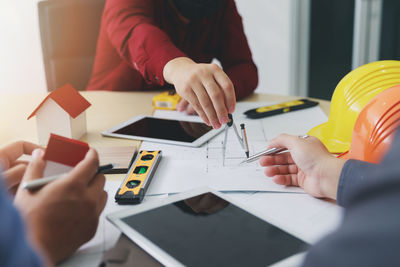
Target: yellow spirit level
266	111
166	100
138	178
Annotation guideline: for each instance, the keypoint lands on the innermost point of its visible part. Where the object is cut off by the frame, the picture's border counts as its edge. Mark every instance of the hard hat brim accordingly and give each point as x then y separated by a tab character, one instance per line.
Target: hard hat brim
325	135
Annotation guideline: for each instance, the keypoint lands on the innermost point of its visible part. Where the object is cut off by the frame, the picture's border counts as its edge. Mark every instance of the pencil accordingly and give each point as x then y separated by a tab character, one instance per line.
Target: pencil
244	139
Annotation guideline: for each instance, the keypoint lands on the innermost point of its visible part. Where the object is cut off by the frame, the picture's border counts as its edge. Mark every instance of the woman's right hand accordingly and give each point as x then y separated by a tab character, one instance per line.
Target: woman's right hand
206	88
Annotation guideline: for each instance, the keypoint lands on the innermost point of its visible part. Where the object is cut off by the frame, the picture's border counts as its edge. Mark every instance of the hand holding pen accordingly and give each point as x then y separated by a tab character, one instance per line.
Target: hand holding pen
73	202
308	164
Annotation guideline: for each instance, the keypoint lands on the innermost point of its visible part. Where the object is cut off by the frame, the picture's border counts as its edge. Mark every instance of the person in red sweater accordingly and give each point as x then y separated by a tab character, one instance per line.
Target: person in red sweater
156	44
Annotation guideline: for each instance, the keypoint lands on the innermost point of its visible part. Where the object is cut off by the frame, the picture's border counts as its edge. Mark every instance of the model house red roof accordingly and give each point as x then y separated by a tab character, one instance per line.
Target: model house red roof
69	99
65	150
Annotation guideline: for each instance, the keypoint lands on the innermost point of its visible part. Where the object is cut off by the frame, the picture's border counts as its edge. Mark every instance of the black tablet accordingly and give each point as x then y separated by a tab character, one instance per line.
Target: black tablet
205	228
175	132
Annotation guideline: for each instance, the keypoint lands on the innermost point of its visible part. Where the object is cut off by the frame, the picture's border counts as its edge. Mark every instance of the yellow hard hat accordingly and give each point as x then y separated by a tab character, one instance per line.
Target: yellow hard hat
352	93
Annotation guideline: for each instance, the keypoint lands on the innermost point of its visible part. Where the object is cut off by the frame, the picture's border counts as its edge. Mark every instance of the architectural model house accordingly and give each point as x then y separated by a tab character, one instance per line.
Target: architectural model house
62	112
62	154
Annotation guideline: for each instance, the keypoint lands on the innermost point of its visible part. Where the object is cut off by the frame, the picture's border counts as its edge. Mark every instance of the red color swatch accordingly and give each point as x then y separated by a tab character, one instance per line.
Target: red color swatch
65	150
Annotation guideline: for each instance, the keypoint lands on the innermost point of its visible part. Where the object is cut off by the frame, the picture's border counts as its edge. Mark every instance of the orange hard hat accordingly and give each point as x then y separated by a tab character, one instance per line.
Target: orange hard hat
375	127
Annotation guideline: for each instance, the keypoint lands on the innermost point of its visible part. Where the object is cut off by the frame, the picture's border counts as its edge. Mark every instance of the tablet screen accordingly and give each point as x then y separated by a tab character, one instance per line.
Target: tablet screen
182	131
208	231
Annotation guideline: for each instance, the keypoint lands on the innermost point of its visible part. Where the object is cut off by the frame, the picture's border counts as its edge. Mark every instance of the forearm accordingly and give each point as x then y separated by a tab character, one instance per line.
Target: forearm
144	46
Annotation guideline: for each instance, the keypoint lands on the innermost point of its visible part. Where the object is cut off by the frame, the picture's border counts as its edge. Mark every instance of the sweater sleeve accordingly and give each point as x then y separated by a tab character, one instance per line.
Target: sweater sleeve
144	46
235	55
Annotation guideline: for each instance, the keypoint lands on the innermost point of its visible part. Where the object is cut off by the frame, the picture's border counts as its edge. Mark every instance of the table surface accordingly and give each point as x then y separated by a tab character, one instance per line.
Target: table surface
110	108
107	110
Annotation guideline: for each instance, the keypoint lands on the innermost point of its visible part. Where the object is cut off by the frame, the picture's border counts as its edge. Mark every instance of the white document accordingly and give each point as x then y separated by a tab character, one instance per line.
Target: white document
185	168
308	217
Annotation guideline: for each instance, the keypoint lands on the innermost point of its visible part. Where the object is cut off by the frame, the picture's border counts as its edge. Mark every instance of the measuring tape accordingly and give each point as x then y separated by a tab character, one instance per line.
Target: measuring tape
166	100
137	180
266	111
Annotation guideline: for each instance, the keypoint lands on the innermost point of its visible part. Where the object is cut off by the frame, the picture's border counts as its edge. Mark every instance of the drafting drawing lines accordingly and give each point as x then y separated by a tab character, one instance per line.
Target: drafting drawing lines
225	151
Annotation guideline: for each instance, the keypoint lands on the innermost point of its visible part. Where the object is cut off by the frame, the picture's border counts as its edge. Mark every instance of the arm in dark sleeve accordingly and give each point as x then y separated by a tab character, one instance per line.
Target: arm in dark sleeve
235	55
370	232
14	248
131	30
354	174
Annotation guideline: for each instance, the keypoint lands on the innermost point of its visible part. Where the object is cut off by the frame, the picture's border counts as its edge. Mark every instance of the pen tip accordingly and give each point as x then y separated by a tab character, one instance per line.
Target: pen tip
247	154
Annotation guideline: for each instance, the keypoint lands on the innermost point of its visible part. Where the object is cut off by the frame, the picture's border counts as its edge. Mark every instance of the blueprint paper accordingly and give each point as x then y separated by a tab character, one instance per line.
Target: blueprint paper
184	168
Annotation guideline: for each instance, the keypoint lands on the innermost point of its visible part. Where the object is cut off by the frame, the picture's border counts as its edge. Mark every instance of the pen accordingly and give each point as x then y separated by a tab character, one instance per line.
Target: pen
43	181
244	140
270	151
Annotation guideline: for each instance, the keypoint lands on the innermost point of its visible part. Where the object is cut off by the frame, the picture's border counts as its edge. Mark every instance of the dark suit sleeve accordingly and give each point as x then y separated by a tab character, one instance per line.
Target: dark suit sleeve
354	174
370	231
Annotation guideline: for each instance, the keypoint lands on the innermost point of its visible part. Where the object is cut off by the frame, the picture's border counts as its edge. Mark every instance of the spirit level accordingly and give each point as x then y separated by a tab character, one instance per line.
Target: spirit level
138	178
284	107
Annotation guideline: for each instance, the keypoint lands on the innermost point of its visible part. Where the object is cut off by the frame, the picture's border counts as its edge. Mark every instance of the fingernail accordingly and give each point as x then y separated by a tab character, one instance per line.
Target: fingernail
231	109
216	125
224	120
37	153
